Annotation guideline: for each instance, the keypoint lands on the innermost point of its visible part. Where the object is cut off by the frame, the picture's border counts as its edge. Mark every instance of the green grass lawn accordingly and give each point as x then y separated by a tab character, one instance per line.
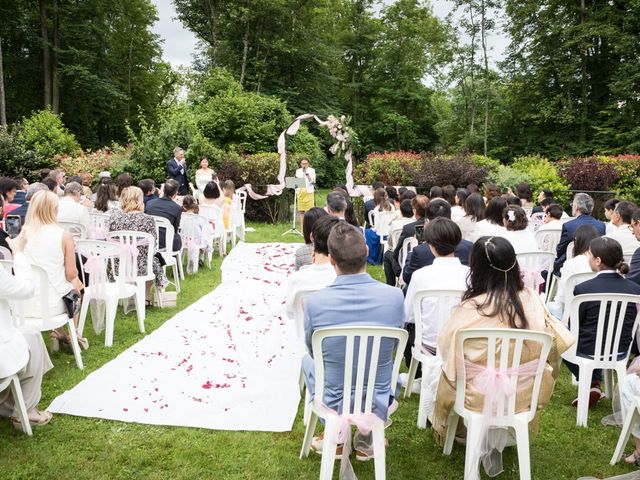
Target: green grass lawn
75	447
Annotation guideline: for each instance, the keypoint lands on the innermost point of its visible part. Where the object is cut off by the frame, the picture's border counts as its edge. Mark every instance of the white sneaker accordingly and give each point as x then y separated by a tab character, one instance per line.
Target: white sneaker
417	384
403	378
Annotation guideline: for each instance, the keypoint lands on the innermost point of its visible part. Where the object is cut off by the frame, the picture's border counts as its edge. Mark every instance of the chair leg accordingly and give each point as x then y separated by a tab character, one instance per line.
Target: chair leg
84	309
74	344
307	408
608	383
18	400
584	385
140	307
180	269
176	276
522	442
422	408
452	426
308	435
413	368
379	454
329	445
472	456
631	418
110	319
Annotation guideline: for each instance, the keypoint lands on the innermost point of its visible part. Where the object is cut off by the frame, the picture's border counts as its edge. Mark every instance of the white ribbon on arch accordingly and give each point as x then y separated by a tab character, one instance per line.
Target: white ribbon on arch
277	189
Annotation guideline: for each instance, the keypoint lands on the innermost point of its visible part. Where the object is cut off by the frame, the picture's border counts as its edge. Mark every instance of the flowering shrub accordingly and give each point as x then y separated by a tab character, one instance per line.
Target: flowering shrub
392	168
589	173
628	169
457	170
115	159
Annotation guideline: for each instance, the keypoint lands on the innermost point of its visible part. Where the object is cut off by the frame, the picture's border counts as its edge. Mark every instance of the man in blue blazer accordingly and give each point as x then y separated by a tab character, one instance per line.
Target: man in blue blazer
421	256
177	170
354	299
167	207
581	207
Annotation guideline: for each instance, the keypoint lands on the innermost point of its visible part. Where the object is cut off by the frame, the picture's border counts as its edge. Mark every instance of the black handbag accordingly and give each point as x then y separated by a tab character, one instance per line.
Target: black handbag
72	302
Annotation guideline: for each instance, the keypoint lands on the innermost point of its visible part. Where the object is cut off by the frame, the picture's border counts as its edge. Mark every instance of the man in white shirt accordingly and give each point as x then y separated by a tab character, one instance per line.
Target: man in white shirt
70	209
621	219
320	273
406	212
553	214
445	273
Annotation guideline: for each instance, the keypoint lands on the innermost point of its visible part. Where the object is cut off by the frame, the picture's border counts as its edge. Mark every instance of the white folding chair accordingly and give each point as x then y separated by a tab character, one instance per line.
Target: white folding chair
606	356
383	223
394	236
358	391
46	322
407	245
238	210
446	301
535	221
5	254
171	258
99	226
77	230
504	354
214	215
13	382
101	254
196	233
548	238
133	239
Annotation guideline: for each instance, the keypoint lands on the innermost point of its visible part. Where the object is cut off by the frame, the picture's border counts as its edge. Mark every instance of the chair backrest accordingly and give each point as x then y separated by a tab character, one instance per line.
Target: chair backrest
445	302
570	283
99	226
7	264
77	230
191	229
242	200
613	307
383	222
41	280
360	360
550	237
372	218
536	220
394	236
298	312
5	253
133	239
102	253
408	245
569	251
504	354
164	227
214	215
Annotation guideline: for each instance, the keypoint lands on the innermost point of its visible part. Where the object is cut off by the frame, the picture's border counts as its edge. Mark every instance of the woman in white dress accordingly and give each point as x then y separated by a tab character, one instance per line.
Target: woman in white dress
474	212
515	221
492	225
457	208
204	175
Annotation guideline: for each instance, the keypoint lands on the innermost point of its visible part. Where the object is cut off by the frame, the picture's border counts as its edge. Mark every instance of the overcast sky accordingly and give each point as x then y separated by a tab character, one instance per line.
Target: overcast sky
179	44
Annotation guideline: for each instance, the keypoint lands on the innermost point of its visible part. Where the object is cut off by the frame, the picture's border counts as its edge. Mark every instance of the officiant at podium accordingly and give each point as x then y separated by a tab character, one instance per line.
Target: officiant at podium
306	198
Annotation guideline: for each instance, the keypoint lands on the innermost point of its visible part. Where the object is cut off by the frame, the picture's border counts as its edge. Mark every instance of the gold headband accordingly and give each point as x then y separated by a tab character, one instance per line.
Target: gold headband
486	252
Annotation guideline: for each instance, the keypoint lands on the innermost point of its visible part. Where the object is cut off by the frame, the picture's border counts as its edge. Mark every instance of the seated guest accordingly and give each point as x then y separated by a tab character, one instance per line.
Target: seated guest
578	263
581	208
621	219
392	195
21	351
442	236
371	235
198	229
167	207
473	212
491	191
392	267
132	217
473	188
457	207
496	298
629	388
228	190
336	204
378	305
545	197
123	181
634	266
349	213
33	189
512	199
449	194
21	193
406	216
320	272
605	258
435	192
106	199
407	195
493	223
371	204
87	181
148	187
422	255
59	177
609	207
211	195
8	190
515	221
552	215
70	210
304	254
523	192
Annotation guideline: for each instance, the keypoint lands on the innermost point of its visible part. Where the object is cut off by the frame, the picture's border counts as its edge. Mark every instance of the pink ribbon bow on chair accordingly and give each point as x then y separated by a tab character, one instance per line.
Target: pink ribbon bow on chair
531	278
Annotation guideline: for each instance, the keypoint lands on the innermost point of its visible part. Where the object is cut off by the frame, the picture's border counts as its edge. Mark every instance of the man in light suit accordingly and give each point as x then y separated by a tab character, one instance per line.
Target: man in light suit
354	299
177	170
581	209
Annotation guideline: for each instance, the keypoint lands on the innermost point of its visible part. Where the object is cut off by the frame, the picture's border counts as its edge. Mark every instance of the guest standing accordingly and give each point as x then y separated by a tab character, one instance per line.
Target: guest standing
177	169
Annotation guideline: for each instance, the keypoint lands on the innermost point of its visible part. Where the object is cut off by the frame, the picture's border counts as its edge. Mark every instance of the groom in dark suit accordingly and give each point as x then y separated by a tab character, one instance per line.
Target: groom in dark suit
177	170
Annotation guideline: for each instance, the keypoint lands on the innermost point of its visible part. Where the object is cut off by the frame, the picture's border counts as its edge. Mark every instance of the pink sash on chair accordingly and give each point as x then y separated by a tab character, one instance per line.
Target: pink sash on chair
96	267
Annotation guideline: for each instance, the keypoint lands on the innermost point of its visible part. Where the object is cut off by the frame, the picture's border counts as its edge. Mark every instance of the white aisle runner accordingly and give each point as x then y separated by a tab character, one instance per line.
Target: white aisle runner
226	362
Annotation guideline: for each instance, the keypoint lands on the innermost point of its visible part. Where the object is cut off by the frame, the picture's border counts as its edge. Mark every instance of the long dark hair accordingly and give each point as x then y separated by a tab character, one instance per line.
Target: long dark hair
582	238
610	253
494	271
308	220
474	207
494	210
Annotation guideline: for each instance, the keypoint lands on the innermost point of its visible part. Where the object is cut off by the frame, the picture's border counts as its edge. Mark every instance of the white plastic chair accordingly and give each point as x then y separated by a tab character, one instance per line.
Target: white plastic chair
571	282
362	389
382	226
504	352
607	345
46	322
214	215
99	226
110	292
171	258
131	237
629	421
535	262
549	236
536	220
77	230
5	254
446	301
407	245
569	253
238	210
196	234
13	382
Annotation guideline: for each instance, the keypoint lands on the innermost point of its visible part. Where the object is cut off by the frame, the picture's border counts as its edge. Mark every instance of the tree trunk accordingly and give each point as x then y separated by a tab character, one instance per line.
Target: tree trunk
55	90
213	25
472	86
46	60
483	30
245	51
583	77
129	78
3	110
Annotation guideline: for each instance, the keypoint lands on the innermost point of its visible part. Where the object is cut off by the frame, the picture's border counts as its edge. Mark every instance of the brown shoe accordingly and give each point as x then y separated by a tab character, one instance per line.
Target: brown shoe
318	443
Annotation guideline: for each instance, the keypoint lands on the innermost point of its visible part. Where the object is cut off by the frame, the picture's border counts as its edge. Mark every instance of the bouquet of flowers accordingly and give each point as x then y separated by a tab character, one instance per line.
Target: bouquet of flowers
340	131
